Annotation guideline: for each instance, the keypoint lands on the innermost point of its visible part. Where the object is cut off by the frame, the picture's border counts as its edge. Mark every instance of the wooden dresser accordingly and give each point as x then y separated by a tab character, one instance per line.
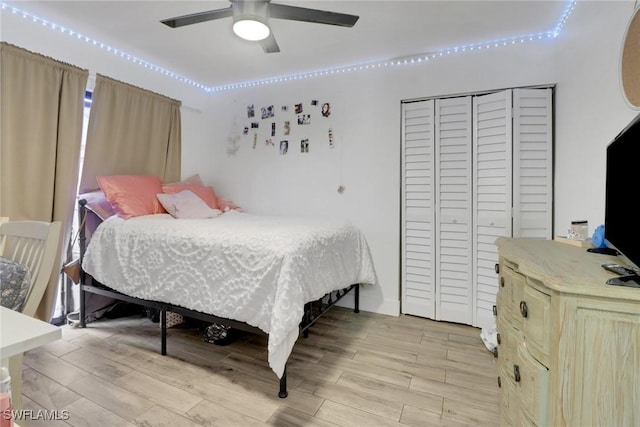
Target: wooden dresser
568	345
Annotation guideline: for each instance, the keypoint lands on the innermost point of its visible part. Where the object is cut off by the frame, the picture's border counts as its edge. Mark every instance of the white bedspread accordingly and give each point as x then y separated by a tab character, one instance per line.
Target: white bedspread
256	269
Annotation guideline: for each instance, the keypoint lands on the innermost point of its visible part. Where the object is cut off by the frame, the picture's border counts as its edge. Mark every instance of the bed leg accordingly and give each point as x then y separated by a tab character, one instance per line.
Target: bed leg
307	319
163	328
82	242
283	385
356	298
83	307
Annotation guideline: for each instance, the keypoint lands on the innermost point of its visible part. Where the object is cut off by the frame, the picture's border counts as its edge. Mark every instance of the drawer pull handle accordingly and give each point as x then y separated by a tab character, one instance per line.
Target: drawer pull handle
516	373
498	338
502	282
497	268
495	310
499	383
523	309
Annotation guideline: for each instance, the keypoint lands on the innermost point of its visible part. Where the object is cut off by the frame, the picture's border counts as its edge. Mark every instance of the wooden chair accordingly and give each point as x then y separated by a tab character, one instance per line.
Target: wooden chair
34	244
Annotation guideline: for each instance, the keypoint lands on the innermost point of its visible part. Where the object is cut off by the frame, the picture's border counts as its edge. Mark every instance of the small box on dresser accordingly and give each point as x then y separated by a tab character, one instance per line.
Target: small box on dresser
568	345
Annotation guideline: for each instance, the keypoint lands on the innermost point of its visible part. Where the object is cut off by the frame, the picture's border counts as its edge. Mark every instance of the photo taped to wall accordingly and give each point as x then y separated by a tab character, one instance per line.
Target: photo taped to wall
304	145
298	108
284	147
304	119
287	127
326	109
267	112
250	111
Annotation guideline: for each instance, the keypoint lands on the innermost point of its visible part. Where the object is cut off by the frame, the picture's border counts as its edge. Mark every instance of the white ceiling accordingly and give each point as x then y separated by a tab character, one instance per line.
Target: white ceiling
209	53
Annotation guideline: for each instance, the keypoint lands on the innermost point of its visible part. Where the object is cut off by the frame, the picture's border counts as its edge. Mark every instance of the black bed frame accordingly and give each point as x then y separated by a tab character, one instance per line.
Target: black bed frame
312	310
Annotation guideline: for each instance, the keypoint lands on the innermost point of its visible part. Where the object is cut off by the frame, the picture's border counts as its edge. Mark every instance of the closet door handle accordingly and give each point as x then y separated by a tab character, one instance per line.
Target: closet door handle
497	268
498	338
502	282
516	373
523	308
499	383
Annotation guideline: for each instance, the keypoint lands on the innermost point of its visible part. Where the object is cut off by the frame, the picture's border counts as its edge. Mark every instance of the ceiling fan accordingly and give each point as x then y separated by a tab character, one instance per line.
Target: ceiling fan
251	19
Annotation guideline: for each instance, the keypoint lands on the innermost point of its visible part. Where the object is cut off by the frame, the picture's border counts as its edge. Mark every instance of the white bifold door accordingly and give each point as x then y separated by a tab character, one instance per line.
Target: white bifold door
474	168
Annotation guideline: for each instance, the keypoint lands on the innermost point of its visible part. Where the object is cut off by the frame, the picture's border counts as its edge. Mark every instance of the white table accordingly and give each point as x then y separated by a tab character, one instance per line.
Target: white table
20	333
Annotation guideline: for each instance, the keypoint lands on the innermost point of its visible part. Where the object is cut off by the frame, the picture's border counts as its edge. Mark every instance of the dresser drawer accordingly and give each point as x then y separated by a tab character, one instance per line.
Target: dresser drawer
509	400
532	385
535	312
508	340
510	289
503	297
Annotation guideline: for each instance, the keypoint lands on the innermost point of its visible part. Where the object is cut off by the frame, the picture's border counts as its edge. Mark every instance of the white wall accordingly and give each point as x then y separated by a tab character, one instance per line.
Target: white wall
590	110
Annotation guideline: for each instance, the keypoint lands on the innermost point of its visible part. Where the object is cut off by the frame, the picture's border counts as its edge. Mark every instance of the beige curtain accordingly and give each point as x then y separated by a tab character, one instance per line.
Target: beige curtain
41	111
131	132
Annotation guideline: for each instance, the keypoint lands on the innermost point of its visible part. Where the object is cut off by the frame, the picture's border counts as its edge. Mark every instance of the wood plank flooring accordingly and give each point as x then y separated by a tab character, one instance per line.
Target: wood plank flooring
353	370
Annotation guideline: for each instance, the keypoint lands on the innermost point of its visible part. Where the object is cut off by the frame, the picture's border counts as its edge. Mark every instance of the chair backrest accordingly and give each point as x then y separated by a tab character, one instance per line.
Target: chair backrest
34	244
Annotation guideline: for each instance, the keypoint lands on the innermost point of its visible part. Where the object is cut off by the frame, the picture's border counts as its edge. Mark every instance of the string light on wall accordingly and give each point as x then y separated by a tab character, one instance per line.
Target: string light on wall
394	62
100	45
563	18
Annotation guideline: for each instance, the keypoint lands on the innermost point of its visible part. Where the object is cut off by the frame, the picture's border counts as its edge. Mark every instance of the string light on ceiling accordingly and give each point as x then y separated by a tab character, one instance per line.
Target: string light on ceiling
394	62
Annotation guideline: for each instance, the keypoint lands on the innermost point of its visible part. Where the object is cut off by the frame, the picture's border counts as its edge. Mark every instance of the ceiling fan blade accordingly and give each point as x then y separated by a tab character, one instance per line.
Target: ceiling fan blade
270	45
195	18
294	13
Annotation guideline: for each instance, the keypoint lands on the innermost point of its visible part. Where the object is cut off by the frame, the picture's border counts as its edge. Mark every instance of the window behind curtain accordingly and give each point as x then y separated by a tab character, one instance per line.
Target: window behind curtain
68	295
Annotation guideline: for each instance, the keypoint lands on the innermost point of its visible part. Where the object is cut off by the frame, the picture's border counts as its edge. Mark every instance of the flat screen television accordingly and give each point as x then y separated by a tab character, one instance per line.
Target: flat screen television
621	219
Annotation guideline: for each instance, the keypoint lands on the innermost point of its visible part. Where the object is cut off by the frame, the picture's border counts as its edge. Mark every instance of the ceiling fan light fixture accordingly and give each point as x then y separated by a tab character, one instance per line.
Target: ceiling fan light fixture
251	19
251	28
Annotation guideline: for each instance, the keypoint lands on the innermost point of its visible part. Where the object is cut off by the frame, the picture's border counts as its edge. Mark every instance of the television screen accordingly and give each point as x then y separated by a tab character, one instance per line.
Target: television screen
622	222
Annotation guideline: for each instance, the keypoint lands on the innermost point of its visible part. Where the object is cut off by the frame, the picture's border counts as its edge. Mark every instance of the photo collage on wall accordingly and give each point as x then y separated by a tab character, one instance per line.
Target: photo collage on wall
299	123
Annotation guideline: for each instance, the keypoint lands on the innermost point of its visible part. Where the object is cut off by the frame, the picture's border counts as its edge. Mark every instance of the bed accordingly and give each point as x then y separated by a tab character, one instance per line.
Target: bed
262	274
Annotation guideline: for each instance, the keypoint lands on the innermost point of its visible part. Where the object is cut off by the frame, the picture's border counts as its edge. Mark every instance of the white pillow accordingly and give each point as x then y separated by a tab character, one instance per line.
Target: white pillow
185	204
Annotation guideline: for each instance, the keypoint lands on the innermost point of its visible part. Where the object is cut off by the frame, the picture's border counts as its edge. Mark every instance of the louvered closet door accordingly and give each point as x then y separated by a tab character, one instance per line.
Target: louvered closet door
474	168
492	190
417	202
453	191
533	163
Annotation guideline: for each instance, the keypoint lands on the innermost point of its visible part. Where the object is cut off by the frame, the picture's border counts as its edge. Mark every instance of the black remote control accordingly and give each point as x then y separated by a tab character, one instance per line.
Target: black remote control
618	269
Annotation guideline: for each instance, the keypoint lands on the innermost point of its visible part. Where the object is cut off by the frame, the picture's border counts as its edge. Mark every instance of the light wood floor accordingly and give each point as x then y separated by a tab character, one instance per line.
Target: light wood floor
353	370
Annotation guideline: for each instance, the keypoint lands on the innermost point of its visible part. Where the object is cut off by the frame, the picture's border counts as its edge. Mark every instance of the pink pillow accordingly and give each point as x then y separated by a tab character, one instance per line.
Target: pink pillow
186	204
205	193
226	205
132	195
